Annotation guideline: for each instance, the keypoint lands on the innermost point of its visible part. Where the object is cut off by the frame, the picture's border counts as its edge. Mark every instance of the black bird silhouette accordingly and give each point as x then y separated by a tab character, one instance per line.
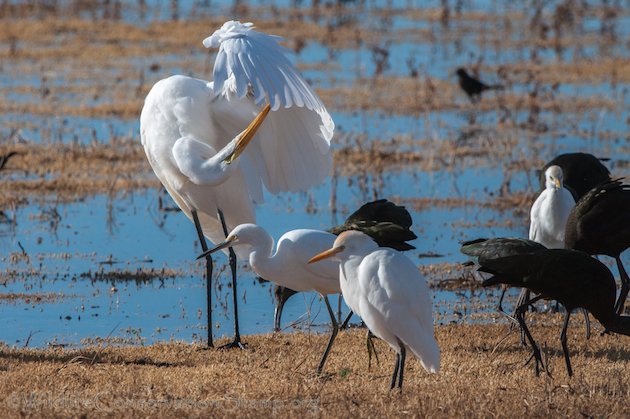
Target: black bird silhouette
599	224
5	158
482	251
572	278
472	86
582	172
387	223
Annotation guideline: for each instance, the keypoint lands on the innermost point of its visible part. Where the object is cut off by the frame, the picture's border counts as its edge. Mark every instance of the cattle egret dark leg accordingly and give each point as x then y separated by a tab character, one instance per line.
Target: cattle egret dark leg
395	374
209	267
403	354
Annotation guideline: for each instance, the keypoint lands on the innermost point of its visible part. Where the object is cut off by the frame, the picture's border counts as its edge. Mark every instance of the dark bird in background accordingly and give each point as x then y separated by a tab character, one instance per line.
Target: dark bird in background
600	225
572	278
4	159
472	86
386	223
582	172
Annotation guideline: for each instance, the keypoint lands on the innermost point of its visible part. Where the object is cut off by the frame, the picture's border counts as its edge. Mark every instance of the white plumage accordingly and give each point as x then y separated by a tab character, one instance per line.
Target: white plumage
288	265
551	210
188	127
290	152
389	293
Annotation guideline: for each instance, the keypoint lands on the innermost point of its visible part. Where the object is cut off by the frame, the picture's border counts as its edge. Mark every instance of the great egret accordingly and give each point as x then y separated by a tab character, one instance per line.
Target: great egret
186	125
472	86
288	265
387	223
600	225
570	277
550	211
581	172
389	293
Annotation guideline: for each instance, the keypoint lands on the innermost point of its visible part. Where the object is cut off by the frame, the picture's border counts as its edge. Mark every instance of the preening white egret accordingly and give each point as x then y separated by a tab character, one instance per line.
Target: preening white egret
186	126
550	211
389	293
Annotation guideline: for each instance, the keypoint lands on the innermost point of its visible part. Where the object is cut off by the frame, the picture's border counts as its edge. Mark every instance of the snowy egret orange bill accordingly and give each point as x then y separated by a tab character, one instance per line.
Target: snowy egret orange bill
326	254
248	134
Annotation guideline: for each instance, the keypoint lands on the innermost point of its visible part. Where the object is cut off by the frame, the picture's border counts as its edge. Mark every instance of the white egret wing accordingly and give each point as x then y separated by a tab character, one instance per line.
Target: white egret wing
295	140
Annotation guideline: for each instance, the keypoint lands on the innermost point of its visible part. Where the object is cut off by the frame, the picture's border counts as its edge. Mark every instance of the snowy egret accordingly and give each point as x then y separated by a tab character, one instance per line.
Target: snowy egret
600	225
570	277
186	125
387	223
581	172
389	293
550	211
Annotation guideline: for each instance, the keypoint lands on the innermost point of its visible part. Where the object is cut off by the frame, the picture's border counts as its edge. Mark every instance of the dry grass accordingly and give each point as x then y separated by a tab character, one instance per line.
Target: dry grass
482	375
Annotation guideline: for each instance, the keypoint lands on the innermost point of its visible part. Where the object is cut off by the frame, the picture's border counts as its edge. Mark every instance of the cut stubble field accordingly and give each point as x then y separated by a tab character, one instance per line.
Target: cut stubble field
483	375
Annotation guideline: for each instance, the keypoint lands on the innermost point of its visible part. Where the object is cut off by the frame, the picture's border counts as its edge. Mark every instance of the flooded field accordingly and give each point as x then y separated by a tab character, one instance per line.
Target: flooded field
89	248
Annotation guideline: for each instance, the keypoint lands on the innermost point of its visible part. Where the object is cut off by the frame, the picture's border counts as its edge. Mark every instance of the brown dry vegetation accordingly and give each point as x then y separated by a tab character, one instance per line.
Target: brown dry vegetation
482	375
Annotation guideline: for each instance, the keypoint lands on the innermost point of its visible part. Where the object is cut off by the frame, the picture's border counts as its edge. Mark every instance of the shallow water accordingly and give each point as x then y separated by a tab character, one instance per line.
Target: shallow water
71	246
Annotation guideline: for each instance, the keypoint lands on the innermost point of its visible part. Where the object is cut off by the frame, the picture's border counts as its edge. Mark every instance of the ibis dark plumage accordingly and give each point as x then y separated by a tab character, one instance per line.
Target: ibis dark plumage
385	222
582	172
482	250
572	278
600	225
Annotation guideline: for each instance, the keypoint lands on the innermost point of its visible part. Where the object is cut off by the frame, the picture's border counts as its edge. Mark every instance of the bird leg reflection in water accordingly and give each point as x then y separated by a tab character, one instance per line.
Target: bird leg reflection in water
236	343
209	268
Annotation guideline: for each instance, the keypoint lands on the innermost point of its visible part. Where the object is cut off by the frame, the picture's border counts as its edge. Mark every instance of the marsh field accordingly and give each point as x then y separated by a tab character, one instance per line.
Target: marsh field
102	302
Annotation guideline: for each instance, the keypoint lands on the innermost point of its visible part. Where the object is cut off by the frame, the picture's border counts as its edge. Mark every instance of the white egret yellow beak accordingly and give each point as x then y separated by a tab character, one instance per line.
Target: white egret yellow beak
229	241
557	183
326	254
248	134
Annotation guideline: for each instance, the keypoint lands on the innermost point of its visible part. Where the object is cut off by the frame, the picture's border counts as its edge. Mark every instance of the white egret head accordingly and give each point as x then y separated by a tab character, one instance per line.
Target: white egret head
348	243
554	177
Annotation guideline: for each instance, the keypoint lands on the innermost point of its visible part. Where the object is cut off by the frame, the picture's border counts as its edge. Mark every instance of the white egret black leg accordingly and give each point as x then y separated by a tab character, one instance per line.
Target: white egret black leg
344	325
399	368
209	268
403	355
236	343
335	330
395	374
371	349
